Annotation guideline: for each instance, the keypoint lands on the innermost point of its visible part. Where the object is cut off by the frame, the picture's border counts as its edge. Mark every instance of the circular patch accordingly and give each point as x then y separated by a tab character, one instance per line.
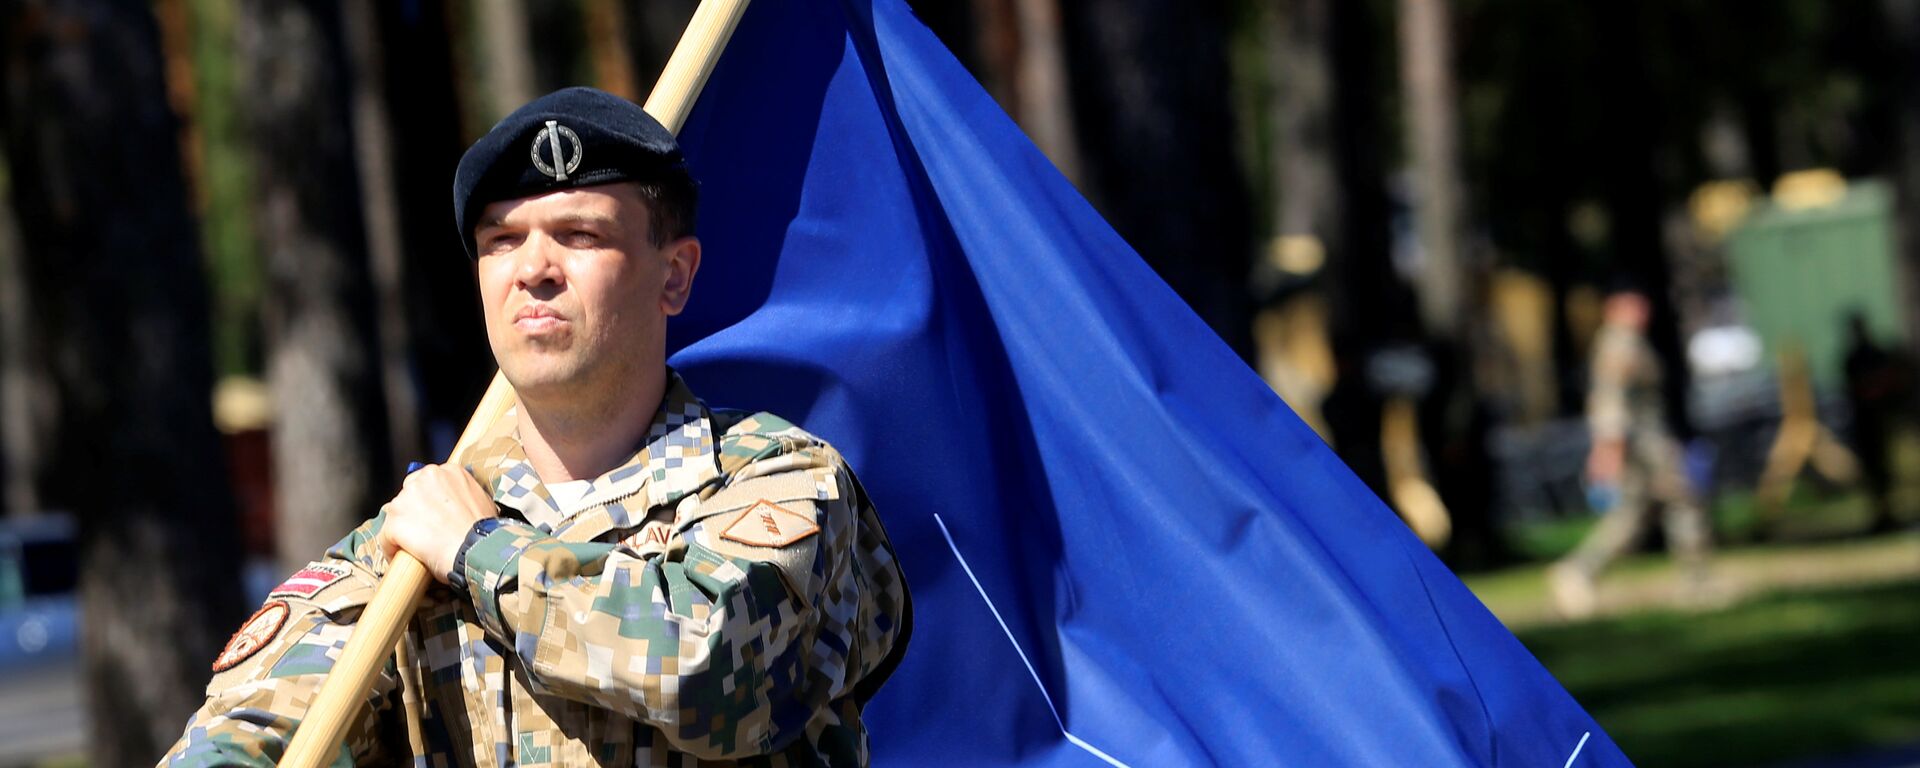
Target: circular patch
253	635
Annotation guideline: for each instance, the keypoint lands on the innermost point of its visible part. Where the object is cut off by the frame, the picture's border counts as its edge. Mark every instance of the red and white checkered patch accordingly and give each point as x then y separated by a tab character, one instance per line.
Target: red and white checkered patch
308	581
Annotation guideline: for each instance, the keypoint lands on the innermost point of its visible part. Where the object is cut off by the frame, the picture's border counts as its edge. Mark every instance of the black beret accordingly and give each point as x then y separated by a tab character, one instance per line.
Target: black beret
574	137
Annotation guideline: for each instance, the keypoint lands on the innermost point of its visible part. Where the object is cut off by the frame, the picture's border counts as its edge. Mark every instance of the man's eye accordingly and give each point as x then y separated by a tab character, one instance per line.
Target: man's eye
497	243
582	238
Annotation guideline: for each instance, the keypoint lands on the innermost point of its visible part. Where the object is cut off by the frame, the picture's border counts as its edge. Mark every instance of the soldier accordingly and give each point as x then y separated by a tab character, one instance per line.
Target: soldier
1634	463
628	577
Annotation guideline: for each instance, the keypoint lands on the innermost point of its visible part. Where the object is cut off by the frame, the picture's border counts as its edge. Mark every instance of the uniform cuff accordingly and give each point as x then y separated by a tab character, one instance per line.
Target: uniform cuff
492	565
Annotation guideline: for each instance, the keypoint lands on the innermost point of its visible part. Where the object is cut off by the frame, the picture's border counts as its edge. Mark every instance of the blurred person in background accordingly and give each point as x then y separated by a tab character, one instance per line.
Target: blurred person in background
1876	386
1635	465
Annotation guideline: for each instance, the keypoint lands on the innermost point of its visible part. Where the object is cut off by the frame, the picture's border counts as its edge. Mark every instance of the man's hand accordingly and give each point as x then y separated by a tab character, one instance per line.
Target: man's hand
431	515
1604	463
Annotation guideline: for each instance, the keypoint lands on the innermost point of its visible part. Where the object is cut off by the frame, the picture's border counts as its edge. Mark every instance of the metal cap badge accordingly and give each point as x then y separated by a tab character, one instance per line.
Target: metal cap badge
550	140
554	132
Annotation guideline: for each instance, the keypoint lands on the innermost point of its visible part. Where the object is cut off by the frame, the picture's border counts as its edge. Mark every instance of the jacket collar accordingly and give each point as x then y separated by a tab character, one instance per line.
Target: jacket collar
675	459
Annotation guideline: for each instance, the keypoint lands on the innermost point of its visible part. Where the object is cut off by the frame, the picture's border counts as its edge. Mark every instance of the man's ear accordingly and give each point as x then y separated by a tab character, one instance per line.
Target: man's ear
683	261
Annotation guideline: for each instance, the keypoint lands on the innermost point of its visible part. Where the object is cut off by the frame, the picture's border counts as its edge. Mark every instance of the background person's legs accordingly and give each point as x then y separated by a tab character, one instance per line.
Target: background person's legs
1572	579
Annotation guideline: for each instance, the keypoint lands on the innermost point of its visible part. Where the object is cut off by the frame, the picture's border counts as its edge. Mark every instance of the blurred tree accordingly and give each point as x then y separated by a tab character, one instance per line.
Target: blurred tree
559	45
223	190
1582	123
505	54
1371	306
29	394
114	269
1902	74
655	30
1452	279
1152	104
1637	195
607	35
1527	127
1306	188
373	133
1446	277
1025	69
451	362
331	461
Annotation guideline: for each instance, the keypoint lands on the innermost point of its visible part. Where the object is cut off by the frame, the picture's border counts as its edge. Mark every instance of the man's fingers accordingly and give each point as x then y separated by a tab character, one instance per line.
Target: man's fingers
384	539
432	513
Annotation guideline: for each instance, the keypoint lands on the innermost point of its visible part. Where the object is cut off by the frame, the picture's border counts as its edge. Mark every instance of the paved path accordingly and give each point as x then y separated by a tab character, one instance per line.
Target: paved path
41	714
1519	596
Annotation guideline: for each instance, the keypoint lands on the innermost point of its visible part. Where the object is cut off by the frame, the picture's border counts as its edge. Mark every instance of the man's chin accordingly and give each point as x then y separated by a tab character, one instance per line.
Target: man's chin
539	381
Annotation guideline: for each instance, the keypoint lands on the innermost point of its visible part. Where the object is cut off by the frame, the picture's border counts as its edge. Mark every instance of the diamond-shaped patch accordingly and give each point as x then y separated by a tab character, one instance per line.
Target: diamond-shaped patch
766	524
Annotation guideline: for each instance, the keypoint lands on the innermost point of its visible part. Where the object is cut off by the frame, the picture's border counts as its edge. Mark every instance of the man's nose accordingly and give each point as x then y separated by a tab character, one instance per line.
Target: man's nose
539	262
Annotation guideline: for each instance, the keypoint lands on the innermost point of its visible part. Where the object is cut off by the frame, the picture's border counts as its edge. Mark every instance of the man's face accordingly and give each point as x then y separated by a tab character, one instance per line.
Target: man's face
575	292
1627	309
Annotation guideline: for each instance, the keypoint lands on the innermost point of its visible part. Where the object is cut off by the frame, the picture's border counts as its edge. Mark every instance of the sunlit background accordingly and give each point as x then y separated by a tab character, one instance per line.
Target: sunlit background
1405	214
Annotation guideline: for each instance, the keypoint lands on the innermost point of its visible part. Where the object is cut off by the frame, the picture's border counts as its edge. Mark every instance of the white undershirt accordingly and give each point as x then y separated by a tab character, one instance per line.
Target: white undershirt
566	496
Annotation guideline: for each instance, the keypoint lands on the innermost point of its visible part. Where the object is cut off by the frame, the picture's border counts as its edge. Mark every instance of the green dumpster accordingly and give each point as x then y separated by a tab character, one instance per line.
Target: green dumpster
1801	273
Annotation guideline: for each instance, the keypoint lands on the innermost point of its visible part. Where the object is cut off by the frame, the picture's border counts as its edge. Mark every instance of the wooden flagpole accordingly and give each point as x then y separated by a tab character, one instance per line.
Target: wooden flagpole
317	741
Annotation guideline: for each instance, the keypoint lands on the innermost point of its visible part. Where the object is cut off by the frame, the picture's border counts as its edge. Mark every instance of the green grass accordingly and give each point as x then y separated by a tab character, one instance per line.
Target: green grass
1786	676
1809	513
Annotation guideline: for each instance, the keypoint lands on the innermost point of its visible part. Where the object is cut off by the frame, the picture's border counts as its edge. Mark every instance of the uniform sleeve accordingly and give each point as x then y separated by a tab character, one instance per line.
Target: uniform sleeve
253	706
727	631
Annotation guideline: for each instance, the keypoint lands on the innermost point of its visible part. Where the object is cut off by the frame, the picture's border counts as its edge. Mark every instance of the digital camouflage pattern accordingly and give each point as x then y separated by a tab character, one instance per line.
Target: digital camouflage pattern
629	633
1625	403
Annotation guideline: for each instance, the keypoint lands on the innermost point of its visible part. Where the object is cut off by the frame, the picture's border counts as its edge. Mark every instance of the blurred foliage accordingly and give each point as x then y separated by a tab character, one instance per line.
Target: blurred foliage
234	266
1787	676
1799	83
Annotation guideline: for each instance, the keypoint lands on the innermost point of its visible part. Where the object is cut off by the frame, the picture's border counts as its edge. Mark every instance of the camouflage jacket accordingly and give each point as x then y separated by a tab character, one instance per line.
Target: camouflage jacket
725	597
1625	401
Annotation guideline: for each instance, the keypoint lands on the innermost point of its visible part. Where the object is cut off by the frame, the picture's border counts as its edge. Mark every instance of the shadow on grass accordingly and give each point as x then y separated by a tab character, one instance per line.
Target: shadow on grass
1779	678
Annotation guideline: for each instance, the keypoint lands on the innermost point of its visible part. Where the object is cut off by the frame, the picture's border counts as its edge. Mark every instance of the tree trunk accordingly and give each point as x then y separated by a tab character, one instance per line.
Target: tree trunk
1023	64
1426	66
558	45
606	33
1903	18
446	338
329	437
115	270
373	132
1369	306
507	53
1151	97
656	29
1452	288
1296	89
1300	62
29	395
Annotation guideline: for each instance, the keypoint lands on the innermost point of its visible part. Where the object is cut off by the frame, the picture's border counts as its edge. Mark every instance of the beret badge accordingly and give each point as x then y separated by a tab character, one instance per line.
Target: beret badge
554	141
541	148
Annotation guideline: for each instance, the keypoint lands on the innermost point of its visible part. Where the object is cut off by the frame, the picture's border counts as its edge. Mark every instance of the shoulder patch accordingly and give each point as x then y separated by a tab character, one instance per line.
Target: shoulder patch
766	524
308	581
253	635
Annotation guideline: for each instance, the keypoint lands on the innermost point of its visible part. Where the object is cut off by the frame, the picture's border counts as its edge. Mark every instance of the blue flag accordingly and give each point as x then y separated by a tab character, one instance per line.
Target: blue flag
1123	548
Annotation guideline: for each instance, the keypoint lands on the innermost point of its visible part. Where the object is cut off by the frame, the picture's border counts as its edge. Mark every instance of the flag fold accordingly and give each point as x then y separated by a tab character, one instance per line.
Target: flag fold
1123	548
